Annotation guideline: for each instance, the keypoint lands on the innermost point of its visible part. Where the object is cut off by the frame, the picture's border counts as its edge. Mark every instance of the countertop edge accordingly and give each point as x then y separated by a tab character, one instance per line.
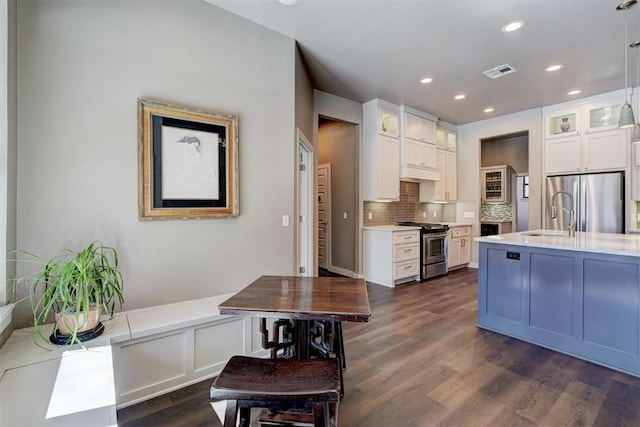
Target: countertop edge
601	243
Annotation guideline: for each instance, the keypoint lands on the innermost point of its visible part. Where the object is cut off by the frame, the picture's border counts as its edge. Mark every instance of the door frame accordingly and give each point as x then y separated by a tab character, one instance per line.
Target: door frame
305	208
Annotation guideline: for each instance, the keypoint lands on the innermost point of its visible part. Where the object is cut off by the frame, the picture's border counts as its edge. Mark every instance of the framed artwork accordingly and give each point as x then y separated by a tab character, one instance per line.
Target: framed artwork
188	162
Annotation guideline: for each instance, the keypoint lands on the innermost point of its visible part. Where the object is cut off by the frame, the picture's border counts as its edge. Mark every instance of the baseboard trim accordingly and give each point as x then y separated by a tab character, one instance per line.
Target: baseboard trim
342	271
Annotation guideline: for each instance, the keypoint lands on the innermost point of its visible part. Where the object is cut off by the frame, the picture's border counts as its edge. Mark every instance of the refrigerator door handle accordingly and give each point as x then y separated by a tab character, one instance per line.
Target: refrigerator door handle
582	207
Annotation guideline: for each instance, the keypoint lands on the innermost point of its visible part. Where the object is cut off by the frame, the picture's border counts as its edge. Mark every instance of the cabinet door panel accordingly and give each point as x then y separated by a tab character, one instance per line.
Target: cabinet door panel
439	186
551	293
451	141
389	123
428	155
465	251
388	169
428	131
562	155
441	138
455	252
412	152
451	177
605	150
412	126
611	306
504	285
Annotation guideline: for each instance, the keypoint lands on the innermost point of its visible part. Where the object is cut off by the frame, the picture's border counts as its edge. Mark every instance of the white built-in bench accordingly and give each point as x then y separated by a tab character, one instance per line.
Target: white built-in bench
142	354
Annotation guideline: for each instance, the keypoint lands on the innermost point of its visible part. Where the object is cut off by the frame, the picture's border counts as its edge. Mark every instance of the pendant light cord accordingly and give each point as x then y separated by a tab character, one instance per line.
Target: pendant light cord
626	54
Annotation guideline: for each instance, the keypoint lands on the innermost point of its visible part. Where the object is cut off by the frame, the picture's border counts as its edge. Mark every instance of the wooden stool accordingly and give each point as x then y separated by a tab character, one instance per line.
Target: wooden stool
278	384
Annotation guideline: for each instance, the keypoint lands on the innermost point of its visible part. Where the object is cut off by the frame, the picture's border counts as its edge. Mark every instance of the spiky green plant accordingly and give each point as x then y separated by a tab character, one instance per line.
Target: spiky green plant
71	283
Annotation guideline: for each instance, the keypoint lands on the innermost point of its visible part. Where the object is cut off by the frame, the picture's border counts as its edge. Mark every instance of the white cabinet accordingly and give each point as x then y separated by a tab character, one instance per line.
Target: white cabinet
446	139
419	126
392	255
381	151
417	145
584	138
446	188
459	246
496	184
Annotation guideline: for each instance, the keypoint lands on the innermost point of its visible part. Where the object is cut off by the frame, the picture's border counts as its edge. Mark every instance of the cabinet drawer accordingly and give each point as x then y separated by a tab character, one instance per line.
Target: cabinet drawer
456	232
465	231
406	269
406	252
406	237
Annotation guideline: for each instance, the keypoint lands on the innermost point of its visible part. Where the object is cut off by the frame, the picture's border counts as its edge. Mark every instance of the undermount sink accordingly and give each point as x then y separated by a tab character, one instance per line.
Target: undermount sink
538	234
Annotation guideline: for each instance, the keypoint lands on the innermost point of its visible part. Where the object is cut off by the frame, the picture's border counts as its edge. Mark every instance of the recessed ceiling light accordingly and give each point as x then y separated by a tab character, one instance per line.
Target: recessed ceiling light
426	80
460	96
288	2
512	26
555	67
574	92
488	110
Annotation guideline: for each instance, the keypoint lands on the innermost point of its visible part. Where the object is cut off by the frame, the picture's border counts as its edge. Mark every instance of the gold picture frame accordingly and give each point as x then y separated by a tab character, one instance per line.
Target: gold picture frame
188	162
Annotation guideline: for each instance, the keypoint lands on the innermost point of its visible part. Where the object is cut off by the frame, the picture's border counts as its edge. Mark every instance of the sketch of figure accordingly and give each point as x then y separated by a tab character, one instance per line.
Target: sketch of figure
194	141
189	164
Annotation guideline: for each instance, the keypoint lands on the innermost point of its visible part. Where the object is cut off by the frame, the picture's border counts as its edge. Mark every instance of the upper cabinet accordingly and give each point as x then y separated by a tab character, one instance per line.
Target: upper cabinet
584	138
417	145
446	139
381	121
446	188
388	121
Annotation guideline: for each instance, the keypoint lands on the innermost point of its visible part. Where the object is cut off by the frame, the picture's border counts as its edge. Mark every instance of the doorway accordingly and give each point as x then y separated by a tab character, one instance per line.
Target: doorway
512	150
337	147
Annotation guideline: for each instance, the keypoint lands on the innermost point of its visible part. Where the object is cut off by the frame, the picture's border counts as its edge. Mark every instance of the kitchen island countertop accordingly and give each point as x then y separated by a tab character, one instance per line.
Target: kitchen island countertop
604	243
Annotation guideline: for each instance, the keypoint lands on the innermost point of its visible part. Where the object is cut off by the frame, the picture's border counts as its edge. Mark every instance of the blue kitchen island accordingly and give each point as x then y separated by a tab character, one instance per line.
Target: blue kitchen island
577	295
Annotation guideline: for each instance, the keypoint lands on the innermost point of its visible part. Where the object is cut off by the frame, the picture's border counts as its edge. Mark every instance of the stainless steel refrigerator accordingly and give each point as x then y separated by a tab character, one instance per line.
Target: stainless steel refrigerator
598	202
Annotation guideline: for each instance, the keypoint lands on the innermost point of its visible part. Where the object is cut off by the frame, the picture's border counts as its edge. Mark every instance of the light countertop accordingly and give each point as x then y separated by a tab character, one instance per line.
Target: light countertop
604	243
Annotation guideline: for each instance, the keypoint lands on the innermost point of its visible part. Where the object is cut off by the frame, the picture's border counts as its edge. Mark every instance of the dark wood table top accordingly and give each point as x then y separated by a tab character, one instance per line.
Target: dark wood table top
302	298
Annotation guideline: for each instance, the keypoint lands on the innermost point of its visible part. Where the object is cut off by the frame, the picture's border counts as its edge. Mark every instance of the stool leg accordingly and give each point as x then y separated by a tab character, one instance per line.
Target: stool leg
340	351
231	413
320	414
245	416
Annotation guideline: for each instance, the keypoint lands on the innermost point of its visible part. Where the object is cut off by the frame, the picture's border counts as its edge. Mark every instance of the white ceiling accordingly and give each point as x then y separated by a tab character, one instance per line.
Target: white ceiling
365	49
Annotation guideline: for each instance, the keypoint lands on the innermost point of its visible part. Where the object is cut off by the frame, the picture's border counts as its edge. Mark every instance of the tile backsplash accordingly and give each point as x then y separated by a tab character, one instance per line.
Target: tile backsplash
408	208
496	212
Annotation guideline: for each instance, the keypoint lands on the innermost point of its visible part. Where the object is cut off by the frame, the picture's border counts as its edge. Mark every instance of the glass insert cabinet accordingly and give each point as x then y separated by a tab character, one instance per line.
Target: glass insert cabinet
496	184
592	117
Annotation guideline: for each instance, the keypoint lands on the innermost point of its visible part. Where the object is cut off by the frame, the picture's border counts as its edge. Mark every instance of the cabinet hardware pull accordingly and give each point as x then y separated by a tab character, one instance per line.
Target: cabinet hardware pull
407	267
407	250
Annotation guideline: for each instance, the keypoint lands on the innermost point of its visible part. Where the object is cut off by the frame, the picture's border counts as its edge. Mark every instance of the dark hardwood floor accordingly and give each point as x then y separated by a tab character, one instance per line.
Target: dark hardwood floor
421	361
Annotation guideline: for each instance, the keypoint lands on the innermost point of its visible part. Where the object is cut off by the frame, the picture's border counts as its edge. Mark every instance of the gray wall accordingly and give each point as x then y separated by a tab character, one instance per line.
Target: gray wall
337	145
304	98
512	151
81	67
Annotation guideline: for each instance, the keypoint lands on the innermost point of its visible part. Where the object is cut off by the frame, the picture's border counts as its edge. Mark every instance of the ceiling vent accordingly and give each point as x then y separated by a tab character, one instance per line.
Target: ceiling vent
499	71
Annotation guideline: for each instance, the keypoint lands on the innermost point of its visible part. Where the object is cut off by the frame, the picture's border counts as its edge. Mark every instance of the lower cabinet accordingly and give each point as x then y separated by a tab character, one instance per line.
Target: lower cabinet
459	247
581	303
392	255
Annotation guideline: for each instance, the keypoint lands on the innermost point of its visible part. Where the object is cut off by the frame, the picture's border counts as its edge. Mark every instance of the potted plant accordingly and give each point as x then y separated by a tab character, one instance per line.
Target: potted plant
76	287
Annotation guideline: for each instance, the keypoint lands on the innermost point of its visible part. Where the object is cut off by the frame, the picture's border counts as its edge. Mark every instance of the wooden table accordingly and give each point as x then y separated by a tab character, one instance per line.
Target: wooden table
301	300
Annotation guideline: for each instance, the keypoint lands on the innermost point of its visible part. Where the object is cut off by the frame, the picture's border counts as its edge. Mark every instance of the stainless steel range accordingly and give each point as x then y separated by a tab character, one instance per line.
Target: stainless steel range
433	248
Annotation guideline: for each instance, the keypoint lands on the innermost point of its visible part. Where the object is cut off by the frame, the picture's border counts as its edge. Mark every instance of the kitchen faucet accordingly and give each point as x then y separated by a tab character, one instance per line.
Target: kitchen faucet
571	212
